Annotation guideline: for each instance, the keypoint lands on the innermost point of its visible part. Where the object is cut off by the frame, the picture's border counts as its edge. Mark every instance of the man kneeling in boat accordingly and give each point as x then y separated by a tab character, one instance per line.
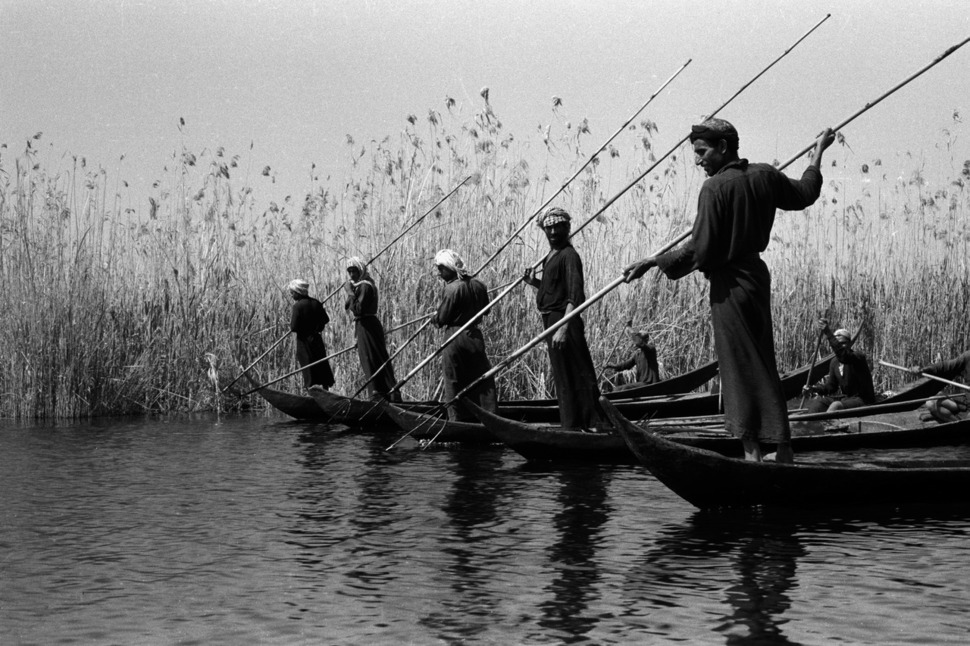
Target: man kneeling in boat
641	368
951	408
849	382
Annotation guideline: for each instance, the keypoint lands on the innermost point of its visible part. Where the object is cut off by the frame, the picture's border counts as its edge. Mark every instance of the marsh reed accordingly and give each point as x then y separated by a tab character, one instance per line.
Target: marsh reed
111	304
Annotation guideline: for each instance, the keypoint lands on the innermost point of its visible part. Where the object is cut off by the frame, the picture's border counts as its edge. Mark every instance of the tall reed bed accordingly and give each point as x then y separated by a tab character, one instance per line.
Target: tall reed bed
116	307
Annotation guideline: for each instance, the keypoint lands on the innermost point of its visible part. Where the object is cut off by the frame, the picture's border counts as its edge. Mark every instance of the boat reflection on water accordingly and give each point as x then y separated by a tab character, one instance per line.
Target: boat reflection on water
761	554
584	509
475	546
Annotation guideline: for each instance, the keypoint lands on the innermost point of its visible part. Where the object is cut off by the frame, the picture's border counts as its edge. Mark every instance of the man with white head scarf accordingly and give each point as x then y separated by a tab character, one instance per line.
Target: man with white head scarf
371	345
307	320
463	360
560	290
849	382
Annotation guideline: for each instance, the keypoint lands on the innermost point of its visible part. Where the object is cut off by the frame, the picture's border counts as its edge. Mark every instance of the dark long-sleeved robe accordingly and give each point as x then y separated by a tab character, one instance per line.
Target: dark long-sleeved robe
735	212
307	320
644	358
849	376
371	346
572	366
464	360
952	369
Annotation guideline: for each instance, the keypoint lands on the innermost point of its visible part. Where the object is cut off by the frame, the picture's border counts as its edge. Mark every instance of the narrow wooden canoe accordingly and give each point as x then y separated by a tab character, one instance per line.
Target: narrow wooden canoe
707	479
550	443
674	405
553	443
683	383
296	406
425	427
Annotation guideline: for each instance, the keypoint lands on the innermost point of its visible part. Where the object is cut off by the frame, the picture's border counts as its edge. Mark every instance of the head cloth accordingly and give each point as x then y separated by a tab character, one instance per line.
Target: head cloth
358	263
713	130
842	333
298	286
451	260
552	216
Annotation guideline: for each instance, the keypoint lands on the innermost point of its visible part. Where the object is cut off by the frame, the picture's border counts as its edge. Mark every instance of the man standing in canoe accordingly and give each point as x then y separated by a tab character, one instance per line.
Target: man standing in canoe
463	360
735	212
560	290
371	347
849	376
307	320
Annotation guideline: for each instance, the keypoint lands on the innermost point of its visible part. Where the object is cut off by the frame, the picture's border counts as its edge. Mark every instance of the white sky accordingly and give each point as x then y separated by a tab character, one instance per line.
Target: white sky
105	78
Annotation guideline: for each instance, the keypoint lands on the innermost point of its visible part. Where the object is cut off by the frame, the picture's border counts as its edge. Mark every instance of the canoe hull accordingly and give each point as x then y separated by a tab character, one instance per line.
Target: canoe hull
553	443
423	427
710	480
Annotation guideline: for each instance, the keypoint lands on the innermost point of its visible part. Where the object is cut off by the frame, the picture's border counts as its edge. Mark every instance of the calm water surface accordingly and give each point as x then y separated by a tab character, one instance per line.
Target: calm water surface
245	530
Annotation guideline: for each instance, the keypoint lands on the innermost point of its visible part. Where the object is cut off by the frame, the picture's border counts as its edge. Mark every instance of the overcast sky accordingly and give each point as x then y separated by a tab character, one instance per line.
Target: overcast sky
102	78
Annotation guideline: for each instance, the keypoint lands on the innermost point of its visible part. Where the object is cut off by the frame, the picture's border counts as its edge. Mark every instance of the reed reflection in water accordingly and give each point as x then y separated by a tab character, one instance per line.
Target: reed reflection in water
248	530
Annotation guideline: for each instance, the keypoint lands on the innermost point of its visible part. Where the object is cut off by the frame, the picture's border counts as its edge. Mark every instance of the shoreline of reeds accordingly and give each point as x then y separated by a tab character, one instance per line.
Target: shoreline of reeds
114	310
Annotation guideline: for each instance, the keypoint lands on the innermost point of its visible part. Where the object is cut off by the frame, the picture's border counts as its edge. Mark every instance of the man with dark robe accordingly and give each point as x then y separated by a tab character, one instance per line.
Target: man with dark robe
371	346
642	367
954	407
463	360
560	290
735	212
307	320
849	382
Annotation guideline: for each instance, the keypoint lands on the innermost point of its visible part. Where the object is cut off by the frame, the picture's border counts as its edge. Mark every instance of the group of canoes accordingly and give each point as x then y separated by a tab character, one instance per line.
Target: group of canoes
736	209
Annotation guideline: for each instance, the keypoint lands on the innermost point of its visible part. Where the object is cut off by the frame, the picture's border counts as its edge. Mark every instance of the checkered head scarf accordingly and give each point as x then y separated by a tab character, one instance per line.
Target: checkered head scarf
552	216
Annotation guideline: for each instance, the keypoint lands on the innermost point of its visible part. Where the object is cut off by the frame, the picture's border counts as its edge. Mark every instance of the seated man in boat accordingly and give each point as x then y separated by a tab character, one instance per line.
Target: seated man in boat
951	408
463	360
307	320
641	368
559	291
849	382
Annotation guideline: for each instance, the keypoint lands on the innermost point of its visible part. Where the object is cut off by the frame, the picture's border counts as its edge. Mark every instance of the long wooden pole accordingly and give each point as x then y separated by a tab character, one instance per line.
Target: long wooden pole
474	178
589	160
607	205
618	281
811	368
925	374
328	357
430	318
531	218
257	360
504	363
